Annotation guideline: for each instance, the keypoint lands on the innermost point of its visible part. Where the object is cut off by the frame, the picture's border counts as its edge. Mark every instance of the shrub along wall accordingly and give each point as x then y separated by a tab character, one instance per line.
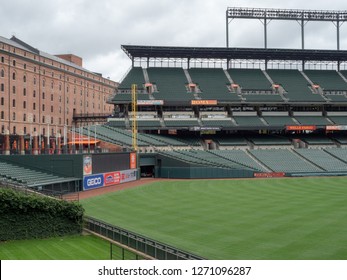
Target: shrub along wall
28	216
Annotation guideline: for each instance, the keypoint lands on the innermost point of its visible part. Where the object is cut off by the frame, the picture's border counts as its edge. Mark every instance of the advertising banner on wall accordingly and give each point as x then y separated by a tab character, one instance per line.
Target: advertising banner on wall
87	165
93	181
132	161
128	175
108	179
112	178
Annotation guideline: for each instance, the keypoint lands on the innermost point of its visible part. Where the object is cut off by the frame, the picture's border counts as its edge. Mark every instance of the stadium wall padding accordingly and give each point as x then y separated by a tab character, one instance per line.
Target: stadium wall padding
172	168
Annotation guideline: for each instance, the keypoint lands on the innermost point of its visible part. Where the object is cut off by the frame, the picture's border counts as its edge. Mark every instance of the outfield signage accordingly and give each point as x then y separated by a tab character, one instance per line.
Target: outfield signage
128	175
301	127
204	102
204	128
93	181
269	175
112	178
336	127
150	102
108	179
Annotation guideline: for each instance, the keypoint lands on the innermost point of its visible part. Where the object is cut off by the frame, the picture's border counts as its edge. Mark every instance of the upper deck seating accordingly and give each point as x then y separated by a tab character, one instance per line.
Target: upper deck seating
171	84
295	84
333	86
254	84
213	84
135	76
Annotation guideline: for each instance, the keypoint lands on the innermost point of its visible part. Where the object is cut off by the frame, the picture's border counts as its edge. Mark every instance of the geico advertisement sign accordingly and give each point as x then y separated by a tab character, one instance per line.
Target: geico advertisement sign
112	178
93	181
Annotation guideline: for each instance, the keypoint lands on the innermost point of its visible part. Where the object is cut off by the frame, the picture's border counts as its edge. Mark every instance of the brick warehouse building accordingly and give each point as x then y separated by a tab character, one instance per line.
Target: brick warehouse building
40	91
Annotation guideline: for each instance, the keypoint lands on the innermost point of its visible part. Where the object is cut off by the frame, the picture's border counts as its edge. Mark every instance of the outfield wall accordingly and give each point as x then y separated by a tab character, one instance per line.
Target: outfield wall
173	168
90	170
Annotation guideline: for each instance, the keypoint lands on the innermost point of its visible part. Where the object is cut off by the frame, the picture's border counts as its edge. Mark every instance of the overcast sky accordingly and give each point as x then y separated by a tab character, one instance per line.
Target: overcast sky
96	29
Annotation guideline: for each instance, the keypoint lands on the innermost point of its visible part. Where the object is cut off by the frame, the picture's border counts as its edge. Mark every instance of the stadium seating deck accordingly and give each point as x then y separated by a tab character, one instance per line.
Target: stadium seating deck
339	120
254	84
296	86
327	79
135	76
171	84
322	159
250	121
240	157
279	120
312	120
250	79
30	177
284	160
213	84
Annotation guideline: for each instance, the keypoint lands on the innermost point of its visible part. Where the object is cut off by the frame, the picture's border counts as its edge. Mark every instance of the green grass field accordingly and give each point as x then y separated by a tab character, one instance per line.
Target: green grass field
291	218
63	248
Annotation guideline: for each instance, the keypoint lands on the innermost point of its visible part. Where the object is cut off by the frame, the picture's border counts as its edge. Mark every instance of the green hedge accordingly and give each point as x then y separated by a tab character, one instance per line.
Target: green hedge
28	216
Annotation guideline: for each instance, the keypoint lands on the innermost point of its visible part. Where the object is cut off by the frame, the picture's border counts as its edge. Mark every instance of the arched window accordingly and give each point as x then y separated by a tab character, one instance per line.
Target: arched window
24	79
13	76
2	73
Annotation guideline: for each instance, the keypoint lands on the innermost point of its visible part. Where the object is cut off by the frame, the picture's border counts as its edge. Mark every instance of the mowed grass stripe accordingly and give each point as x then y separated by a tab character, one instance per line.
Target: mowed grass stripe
296	218
61	248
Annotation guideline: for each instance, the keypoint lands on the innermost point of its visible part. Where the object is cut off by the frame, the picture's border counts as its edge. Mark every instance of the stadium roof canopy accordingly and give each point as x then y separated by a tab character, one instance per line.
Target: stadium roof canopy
233	53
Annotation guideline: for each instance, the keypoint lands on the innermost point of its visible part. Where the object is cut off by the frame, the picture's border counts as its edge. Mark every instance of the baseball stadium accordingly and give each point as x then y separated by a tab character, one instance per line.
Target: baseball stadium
210	153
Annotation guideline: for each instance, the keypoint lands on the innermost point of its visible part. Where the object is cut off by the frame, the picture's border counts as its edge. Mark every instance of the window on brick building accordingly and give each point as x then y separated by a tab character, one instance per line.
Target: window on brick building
13	103
2	115
14	116
34	93
24	79
2	87
2	73
24	104
43	107
14	130
2	101
43	95
34	106
24	117
14	63
13	76
24	91
14	89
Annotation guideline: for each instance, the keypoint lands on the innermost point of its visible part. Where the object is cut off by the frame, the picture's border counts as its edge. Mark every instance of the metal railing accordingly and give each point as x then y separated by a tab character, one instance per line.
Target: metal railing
140	243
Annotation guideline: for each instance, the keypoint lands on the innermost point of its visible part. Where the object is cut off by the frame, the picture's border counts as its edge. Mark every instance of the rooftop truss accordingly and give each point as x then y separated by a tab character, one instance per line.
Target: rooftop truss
187	53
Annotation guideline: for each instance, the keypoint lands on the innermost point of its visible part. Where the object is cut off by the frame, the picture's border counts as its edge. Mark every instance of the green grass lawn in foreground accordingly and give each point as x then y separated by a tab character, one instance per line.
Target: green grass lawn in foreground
296	218
62	248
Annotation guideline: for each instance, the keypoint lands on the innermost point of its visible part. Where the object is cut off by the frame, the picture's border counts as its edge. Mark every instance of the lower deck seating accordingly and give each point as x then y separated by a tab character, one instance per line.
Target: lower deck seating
30	177
284	160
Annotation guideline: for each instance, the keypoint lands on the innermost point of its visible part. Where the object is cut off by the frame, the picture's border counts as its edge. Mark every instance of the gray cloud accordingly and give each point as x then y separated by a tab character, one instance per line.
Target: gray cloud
96	29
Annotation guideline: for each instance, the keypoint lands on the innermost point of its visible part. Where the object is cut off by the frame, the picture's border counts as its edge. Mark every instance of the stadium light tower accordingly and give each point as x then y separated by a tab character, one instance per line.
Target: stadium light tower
301	16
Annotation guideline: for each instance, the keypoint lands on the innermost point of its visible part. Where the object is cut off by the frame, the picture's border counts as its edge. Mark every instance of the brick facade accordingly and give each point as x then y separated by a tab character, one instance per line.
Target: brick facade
39	91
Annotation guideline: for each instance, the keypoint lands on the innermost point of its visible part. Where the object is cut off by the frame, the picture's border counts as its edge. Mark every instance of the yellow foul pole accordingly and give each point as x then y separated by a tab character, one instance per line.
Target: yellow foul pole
134	115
